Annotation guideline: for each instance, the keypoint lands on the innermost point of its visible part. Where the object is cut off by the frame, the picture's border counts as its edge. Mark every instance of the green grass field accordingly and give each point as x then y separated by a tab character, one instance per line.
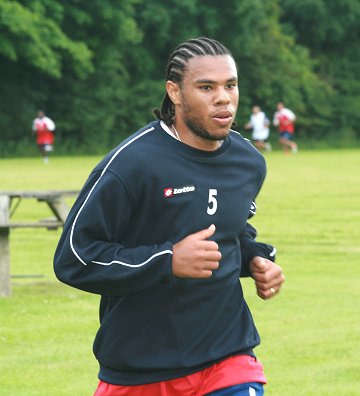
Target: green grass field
309	209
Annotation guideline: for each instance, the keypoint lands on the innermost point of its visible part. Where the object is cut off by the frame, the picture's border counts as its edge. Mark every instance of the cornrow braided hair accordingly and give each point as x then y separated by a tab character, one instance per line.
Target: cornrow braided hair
176	67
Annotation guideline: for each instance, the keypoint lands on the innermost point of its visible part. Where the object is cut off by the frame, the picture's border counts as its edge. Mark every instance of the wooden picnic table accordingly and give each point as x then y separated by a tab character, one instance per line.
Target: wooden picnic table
9	203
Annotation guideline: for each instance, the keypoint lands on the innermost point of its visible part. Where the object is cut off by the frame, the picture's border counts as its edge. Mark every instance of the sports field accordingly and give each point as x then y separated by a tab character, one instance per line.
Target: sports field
309	209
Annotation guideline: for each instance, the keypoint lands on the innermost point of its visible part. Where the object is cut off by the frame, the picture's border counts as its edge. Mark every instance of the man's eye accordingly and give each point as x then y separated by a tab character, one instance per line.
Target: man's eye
205	87
231	85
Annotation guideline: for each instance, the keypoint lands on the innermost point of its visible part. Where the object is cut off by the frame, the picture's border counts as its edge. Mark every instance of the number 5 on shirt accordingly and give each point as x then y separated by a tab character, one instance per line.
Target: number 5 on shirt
212	208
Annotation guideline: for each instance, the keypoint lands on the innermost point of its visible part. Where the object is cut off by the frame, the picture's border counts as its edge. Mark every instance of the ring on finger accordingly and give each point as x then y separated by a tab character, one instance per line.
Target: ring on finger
273	291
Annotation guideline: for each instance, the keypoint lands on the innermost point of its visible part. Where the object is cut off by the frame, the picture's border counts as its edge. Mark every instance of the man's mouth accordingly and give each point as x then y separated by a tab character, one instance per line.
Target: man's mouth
223	117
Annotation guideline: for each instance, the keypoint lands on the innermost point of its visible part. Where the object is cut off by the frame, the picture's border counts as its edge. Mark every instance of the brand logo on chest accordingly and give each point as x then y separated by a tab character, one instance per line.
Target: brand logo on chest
171	191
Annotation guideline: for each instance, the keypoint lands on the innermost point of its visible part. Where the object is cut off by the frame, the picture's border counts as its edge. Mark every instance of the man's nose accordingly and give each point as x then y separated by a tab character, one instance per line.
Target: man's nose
222	96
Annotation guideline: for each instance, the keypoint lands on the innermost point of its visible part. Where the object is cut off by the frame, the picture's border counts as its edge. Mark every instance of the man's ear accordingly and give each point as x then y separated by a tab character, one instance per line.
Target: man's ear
173	91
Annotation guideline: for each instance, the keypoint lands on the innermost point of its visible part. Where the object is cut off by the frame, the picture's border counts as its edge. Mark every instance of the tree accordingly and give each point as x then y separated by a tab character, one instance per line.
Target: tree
98	67
34	34
85	102
330	30
96	107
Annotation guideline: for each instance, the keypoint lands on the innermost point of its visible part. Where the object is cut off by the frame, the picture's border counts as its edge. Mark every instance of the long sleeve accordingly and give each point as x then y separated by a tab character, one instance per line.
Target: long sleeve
91	254
251	248
50	124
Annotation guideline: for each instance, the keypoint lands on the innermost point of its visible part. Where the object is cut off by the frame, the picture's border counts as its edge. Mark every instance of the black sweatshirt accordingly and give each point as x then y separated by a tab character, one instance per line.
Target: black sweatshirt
147	194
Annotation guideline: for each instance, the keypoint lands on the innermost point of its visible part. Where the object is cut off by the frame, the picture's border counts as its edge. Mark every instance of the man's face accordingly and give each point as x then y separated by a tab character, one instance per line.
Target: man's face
209	96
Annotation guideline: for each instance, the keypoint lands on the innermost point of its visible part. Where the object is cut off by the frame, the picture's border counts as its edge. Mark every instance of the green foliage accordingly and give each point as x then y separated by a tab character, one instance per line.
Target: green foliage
95	105
31	34
330	30
97	67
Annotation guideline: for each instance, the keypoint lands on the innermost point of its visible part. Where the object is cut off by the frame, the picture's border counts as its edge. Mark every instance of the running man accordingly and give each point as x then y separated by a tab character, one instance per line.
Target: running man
160	231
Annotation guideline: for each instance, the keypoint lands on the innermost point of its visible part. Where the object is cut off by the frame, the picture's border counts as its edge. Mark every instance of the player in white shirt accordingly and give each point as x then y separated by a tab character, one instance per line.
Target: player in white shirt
259	124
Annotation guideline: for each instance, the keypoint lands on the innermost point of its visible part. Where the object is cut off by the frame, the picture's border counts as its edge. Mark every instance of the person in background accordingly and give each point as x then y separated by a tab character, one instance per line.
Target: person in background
259	124
284	119
160	231
43	127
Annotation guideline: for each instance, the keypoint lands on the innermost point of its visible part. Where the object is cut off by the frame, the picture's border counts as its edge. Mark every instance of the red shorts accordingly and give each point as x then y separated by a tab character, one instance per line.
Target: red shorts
232	371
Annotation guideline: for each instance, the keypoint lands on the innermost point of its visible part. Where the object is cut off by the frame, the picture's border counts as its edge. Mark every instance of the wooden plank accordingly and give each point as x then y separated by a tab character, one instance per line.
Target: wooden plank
5	285
59	208
45	224
42	194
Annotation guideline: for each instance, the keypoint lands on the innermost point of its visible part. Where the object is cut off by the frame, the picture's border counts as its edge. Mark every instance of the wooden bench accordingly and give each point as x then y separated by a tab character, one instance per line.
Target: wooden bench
9	202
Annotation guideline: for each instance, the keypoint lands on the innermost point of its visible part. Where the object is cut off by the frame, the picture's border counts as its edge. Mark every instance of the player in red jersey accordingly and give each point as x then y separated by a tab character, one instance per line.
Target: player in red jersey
44	128
284	119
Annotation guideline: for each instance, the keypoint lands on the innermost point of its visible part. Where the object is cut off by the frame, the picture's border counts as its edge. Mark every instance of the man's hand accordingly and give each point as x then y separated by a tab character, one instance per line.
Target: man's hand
268	277
195	256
